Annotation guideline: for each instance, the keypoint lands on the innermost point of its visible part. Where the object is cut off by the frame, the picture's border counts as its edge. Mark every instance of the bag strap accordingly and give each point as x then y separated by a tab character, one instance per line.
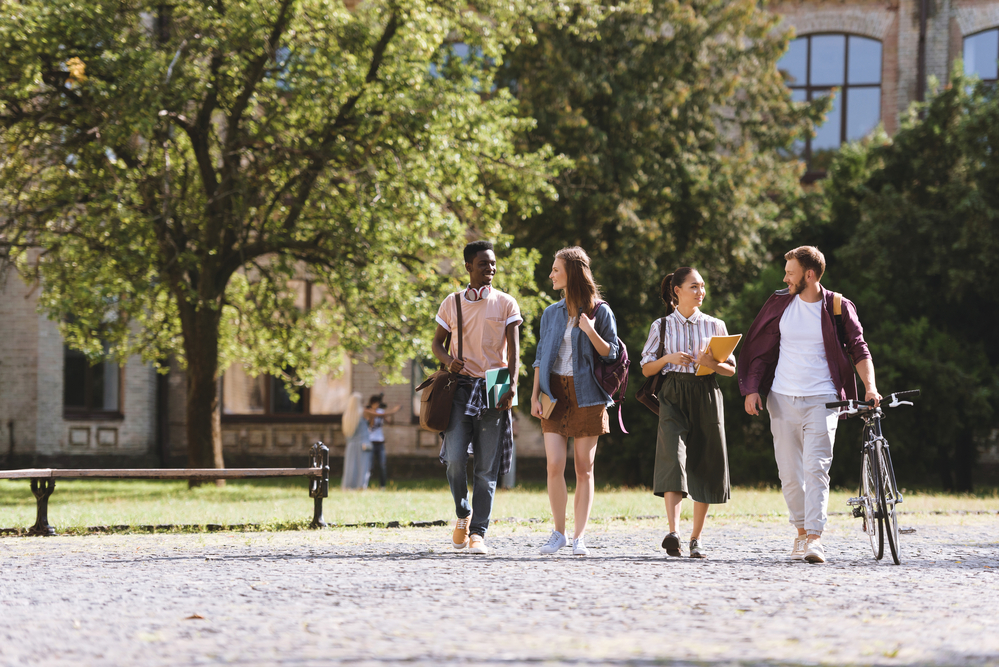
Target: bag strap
837	304
457	305
447	339
662	338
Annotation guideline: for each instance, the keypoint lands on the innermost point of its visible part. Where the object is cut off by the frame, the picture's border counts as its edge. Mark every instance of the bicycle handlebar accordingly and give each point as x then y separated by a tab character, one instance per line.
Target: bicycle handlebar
890	401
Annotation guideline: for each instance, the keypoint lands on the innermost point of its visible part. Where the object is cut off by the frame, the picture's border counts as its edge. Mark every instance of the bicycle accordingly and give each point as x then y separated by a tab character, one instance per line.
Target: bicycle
878	495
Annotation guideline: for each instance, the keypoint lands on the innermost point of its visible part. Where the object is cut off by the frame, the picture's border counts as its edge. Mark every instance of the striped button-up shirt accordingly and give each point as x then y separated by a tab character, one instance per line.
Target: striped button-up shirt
683	335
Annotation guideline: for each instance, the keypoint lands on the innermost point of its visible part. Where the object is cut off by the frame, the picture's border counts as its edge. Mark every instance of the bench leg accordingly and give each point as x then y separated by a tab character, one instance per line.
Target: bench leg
319	457
317	515
42	489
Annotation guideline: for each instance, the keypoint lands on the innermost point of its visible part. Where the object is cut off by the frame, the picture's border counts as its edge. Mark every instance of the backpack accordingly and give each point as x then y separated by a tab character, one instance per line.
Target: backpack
613	377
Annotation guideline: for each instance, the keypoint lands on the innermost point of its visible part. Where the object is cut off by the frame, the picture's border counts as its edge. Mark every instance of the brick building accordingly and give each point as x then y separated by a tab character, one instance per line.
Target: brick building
56	409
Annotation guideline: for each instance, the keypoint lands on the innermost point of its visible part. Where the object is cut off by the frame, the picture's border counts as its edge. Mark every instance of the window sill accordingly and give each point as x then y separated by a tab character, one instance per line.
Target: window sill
282	419
92	415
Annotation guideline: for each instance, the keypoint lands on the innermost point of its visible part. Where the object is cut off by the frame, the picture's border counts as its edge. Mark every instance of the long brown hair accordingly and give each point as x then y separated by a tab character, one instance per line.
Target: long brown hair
667	289
581	292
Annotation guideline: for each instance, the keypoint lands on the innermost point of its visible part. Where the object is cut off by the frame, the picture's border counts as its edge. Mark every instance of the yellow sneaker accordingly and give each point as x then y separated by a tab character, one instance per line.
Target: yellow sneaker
459	539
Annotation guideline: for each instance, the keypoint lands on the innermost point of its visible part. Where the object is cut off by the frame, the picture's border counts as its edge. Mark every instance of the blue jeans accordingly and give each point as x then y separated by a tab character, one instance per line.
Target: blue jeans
485	435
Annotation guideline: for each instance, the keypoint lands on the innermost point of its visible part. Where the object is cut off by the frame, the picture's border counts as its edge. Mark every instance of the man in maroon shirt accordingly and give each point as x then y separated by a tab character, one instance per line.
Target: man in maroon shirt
795	358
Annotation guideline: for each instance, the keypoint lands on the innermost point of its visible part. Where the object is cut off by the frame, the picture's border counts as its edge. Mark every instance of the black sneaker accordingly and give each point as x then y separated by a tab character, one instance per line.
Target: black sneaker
671	543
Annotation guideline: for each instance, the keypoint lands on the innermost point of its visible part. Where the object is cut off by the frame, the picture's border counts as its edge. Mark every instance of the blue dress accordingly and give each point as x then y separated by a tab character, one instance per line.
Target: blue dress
357	458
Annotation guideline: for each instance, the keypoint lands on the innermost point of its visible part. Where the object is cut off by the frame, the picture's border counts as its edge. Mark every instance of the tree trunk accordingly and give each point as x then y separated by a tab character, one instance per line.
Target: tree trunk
204	425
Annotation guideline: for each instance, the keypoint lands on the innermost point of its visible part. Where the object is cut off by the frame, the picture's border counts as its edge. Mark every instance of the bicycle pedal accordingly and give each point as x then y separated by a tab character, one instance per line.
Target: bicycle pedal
854	501
858	512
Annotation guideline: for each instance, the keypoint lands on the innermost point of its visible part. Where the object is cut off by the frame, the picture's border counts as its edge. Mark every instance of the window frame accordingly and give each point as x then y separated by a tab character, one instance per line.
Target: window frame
812	175
88	412
965	38
269	416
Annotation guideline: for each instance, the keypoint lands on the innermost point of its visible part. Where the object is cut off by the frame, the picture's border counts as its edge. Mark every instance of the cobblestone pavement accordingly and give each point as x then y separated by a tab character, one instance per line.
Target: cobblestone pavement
371	596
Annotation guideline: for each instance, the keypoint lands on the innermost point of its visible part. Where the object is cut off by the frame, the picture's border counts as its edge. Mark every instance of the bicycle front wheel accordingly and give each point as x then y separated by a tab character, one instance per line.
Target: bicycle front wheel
889	496
869	486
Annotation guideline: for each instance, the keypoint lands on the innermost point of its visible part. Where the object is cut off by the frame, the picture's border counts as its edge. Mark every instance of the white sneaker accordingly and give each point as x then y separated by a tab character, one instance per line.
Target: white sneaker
477	544
800	544
555	542
814	553
579	547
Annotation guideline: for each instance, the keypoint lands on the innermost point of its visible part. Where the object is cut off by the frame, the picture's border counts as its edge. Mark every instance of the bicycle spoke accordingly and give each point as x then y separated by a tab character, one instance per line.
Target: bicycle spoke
890	495
869	485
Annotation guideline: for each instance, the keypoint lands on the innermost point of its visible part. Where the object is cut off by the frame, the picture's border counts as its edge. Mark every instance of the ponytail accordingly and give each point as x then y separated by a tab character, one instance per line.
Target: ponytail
667	289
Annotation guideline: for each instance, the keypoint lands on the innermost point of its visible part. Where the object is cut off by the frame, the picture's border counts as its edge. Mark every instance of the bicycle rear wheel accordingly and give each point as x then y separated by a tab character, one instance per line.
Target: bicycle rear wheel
869	485
889	497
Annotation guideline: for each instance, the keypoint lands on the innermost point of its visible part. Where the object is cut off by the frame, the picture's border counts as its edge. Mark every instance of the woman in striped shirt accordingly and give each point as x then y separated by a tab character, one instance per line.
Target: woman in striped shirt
691	456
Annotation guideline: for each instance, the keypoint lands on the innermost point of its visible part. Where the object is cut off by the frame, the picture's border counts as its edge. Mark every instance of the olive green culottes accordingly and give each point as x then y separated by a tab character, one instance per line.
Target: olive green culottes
691	456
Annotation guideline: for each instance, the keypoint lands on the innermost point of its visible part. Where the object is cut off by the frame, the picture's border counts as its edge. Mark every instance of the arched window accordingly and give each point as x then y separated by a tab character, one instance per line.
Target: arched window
813	66
981	55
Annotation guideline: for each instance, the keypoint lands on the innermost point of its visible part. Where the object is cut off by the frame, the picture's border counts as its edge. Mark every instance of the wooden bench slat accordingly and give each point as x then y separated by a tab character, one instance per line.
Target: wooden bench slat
159	473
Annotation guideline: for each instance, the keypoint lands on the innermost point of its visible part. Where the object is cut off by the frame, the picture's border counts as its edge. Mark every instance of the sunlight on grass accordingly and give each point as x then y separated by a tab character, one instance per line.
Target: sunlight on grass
82	503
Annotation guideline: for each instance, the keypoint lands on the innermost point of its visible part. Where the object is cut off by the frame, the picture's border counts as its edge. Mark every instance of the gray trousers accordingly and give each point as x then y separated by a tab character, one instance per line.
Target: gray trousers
804	431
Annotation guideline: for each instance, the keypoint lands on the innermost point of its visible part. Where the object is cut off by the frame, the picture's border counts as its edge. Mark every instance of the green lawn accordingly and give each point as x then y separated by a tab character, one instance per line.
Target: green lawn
285	503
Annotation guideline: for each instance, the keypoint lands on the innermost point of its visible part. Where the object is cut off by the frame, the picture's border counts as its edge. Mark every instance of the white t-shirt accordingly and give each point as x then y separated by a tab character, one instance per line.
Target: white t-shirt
802	368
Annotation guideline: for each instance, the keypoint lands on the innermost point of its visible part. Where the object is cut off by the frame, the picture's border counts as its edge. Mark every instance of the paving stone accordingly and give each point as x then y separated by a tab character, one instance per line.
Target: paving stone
370	596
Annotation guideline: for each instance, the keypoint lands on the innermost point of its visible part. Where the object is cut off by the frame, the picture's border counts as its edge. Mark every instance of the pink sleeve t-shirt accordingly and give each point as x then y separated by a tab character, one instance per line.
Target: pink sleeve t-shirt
484	325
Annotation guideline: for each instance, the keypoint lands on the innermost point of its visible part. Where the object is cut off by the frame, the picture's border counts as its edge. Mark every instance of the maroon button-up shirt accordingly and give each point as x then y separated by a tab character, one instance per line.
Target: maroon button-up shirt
761	349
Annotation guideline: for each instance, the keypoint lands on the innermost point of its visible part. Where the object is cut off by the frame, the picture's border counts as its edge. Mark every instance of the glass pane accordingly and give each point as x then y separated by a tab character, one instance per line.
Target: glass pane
329	395
798	147
981	52
827	136
242	394
96	387
281	403
794	63
74	378
828	59
112	378
865	60
863	111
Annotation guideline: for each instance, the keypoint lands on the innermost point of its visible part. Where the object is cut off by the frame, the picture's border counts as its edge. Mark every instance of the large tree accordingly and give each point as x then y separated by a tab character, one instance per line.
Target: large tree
177	163
679	124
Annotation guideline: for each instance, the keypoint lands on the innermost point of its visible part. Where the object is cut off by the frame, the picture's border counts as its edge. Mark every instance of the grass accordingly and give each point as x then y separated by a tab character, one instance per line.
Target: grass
275	504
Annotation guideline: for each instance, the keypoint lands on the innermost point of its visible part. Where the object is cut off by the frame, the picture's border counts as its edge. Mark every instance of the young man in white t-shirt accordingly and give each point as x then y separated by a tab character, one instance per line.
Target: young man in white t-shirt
794	353
490	339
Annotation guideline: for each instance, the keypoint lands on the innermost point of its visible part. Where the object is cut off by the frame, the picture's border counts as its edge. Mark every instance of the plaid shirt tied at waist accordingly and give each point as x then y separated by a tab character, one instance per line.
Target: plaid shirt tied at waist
477	404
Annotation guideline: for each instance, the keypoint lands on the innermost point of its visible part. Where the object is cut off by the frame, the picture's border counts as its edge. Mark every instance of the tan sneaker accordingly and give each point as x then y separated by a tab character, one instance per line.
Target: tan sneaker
798	551
814	552
459	539
477	544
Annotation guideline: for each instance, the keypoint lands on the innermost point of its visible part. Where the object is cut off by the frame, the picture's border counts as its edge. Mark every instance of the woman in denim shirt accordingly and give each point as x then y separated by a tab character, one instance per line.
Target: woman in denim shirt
576	333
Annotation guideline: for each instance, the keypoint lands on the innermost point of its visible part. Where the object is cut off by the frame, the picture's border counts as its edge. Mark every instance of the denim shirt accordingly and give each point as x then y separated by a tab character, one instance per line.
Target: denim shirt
584	356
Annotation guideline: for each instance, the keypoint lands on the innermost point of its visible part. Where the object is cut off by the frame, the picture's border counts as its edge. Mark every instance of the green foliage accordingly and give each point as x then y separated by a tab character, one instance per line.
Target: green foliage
678	122
920	220
178	165
909	228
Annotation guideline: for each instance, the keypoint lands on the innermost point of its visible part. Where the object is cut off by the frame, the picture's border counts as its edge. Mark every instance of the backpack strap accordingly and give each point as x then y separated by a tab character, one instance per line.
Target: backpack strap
838	321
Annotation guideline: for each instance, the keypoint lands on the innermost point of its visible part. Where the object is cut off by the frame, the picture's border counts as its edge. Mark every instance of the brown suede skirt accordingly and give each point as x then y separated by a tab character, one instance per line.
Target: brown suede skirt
570	420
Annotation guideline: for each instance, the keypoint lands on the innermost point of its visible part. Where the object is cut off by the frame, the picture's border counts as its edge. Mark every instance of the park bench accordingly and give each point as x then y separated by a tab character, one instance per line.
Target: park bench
43	481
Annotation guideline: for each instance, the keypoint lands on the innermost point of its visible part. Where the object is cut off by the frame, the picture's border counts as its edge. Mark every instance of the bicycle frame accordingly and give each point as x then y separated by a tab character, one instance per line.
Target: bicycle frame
879	493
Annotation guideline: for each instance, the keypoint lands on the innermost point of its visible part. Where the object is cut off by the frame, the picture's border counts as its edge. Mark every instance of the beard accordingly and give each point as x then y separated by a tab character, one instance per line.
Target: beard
798	287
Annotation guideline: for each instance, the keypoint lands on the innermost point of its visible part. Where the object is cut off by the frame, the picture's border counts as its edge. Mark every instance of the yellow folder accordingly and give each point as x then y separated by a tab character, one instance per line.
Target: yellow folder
721	349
